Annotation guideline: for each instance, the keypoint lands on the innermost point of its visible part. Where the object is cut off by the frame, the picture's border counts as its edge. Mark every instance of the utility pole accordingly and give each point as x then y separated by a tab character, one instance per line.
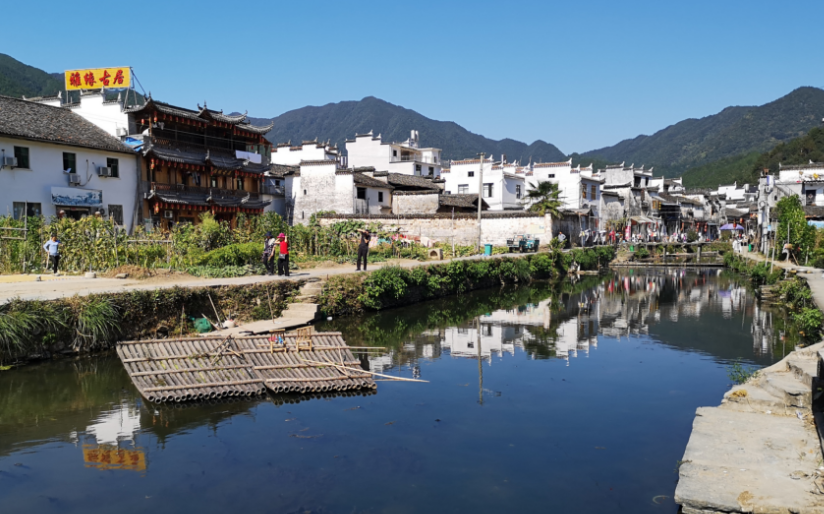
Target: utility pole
480	197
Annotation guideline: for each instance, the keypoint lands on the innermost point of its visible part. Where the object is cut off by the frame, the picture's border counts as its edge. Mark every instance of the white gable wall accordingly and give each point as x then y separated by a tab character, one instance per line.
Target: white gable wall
34	185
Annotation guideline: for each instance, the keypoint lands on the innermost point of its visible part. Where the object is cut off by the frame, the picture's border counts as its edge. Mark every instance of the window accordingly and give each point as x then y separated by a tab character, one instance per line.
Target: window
277	183
113	164
417	168
470	345
487	330
518	192
116	214
551	175
213	181
488	190
21	153
69	162
240	184
463	189
380	196
361	193
470	173
593	192
584	192
26	209
394	153
431	170
304	192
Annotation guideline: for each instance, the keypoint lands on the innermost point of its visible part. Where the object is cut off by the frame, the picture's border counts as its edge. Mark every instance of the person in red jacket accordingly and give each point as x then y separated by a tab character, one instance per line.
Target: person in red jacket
283	256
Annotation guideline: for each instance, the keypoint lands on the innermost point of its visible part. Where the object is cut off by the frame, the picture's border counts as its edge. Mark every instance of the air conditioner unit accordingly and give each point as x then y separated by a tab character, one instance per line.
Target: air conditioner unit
74	179
104	171
169	215
121	132
10	161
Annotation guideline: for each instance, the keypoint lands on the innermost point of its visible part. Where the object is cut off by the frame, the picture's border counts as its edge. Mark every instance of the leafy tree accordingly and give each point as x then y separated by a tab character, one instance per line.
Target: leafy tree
544	198
793	227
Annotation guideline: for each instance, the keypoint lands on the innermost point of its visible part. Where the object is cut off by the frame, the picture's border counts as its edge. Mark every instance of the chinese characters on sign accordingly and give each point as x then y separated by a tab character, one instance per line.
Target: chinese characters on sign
108	457
98	78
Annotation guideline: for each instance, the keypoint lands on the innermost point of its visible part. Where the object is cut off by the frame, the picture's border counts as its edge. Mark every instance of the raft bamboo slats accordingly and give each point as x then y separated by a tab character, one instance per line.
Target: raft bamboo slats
178	370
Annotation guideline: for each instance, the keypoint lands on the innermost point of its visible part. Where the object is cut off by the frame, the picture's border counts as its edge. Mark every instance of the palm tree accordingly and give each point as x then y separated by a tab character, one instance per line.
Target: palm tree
544	198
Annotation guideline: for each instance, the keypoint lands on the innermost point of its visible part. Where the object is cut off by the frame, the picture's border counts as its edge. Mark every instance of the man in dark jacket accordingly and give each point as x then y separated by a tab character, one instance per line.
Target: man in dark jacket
363	248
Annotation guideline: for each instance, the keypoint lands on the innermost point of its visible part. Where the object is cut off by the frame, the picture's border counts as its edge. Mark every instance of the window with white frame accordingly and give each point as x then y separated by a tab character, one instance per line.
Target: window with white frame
518	192
463	189
488	188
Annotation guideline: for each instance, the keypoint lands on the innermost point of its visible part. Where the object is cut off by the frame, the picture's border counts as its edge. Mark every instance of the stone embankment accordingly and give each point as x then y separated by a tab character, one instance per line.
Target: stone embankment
760	451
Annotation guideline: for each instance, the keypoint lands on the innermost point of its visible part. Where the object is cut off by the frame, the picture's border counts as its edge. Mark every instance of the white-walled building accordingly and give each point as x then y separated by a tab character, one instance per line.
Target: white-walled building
406	158
503	186
321	186
53	160
580	188
286	153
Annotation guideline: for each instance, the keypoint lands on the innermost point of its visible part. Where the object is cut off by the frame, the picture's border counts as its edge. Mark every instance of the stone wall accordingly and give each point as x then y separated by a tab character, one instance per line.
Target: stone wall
415	203
463	229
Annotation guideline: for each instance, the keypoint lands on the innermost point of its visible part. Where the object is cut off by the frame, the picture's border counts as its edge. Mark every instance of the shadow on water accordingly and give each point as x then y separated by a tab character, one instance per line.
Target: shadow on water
575	396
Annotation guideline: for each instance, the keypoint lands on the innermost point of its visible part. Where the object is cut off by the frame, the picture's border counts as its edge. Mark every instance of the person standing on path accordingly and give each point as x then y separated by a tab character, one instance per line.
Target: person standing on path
53	247
363	248
283	255
269	253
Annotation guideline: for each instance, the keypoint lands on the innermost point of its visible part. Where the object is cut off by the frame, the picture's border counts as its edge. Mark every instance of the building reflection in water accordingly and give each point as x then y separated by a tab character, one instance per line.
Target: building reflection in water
567	325
111	431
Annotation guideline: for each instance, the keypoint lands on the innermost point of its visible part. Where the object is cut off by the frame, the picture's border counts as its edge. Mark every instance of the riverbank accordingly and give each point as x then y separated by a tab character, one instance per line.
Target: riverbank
95	318
760	451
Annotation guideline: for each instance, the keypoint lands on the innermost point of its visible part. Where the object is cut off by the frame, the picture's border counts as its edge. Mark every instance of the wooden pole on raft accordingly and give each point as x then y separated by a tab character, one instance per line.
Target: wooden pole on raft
364	371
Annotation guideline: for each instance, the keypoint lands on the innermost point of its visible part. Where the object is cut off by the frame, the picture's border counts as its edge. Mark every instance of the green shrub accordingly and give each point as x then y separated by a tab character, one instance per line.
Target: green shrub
739	373
809	320
233	255
641	252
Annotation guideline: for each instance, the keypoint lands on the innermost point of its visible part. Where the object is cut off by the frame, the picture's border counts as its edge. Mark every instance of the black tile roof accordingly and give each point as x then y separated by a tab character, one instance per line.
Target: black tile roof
281	170
38	122
367	181
202	114
203	157
462	201
401	181
178	155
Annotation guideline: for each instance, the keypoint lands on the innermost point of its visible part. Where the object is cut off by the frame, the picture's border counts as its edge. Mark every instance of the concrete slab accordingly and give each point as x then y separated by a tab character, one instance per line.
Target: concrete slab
746	462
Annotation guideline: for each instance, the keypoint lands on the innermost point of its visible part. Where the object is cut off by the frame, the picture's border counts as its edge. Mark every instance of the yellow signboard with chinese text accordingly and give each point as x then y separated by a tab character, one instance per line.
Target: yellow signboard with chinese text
110	457
98	78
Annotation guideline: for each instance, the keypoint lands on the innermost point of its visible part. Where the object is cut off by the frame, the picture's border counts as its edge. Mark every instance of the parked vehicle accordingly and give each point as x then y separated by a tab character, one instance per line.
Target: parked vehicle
523	243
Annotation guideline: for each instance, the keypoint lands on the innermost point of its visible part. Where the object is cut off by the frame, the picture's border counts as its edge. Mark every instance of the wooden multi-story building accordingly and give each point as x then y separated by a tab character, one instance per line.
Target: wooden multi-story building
200	160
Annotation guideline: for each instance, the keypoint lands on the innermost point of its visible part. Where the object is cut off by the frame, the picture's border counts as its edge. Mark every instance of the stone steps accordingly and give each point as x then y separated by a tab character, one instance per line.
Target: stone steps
746	398
786	387
804	370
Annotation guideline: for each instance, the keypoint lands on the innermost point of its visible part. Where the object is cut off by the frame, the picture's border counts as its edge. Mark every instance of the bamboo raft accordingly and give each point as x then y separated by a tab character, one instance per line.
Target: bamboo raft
187	369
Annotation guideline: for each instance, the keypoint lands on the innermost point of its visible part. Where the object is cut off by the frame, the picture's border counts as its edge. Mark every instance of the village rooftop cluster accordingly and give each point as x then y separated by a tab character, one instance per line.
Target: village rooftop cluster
158	165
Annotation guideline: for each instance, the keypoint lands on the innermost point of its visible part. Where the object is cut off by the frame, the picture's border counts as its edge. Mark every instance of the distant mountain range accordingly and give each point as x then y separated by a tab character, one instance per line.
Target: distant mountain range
18	79
715	149
340	121
730	135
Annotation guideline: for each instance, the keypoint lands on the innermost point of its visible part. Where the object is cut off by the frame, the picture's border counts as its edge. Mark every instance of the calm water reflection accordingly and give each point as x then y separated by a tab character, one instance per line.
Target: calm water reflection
577	397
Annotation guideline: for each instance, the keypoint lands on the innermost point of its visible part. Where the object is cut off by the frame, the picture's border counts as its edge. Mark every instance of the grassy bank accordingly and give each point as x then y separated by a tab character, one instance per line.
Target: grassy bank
393	286
31	329
95	322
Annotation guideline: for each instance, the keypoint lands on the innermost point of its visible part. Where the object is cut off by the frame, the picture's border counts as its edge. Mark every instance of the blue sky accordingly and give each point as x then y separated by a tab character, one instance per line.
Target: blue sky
578	74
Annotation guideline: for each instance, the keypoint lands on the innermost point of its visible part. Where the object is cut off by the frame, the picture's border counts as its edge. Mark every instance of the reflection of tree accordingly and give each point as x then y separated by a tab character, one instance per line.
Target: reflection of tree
542	343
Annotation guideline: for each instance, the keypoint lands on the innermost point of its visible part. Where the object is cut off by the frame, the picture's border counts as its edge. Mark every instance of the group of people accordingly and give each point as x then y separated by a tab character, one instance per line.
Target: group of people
277	249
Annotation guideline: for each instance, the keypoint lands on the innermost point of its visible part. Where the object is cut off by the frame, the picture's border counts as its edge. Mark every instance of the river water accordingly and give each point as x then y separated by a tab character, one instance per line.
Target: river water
571	397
